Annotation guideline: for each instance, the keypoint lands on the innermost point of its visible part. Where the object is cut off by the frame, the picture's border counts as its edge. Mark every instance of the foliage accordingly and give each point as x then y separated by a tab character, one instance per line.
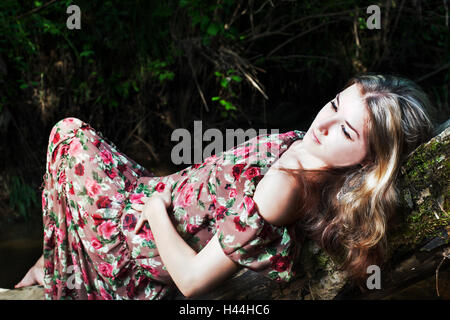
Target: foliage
22	197
146	67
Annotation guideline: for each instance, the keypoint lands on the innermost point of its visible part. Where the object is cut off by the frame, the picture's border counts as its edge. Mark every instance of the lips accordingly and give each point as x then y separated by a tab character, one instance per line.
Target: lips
315	138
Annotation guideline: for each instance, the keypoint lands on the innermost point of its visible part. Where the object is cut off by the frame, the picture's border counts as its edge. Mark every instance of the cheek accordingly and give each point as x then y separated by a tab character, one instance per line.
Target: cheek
346	154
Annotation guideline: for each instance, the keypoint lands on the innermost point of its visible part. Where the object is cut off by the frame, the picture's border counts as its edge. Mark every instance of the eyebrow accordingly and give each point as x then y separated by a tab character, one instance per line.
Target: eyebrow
337	98
352	128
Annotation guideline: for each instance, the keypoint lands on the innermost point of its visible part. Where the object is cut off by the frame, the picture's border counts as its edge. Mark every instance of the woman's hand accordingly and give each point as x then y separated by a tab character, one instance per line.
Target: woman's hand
158	198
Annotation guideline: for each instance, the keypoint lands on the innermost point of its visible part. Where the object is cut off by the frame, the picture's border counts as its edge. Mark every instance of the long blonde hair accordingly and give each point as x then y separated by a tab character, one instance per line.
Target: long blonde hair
346	210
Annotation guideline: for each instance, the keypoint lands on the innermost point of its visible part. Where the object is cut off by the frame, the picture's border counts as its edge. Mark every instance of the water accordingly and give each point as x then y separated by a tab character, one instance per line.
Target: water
16	258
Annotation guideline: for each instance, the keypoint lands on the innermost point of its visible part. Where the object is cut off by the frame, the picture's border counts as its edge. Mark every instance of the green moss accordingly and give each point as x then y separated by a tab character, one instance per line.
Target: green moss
423	184
322	260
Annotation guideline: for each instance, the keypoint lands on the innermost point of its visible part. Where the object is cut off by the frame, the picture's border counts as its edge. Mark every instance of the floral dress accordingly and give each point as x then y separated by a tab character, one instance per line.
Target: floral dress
90	249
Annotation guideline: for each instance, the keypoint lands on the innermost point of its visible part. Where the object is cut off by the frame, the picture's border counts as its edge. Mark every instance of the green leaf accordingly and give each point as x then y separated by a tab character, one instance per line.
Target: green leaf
264	256
272	251
224	82
213	29
236	78
96	177
86	53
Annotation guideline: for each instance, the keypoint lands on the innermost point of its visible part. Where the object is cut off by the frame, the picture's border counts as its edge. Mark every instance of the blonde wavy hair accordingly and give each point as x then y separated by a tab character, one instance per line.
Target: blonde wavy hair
347	210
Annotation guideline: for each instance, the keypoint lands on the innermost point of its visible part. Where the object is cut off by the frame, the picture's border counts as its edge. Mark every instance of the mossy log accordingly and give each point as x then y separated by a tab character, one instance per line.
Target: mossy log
417	245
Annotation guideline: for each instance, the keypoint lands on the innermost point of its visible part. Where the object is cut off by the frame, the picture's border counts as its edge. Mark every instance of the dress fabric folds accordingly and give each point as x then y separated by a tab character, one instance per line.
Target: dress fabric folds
90	250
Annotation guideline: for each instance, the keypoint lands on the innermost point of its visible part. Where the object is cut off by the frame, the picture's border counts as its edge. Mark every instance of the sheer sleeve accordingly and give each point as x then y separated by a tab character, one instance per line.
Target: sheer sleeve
244	235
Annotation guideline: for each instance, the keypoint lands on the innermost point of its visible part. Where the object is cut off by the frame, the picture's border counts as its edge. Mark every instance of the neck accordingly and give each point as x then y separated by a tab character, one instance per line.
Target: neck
306	160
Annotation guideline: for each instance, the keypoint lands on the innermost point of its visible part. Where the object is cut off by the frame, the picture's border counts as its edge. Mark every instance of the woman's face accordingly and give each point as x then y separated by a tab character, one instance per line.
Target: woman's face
339	128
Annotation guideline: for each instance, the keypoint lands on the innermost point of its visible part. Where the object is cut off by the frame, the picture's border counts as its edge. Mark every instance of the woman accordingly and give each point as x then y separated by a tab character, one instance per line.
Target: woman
114	231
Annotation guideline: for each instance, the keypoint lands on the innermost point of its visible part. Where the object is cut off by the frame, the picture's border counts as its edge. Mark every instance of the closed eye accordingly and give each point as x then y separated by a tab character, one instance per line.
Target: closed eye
345	132
333	105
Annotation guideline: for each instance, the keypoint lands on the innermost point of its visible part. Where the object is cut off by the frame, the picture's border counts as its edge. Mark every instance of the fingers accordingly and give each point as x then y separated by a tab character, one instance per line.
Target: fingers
139	224
139	207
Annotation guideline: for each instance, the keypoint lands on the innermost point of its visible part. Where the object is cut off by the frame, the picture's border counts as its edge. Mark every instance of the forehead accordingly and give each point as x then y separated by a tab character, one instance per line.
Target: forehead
353	107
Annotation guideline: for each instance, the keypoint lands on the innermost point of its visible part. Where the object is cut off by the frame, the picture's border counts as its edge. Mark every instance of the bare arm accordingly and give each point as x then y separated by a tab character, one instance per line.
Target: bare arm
193	273
196	273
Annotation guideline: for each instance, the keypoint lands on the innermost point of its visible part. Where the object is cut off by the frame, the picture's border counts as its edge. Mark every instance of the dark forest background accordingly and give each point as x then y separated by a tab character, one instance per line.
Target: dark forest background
139	69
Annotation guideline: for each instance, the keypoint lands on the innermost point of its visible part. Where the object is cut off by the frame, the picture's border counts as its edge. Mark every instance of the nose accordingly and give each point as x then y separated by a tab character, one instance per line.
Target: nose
324	126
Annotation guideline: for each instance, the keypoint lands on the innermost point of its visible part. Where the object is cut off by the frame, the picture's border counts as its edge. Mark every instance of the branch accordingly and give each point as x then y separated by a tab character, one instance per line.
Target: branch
432	73
36	9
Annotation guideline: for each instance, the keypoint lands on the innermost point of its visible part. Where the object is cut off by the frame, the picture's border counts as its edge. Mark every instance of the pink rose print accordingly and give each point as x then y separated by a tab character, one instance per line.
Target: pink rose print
63	150
106	156
249	204
129	222
107	229
188	195
213	199
96	244
103	202
56	138
43	200
237	170
151	269
279	263
289	134
160	187
192	228
105	295
128	186
180	188
111	173
220	212
68	120
97	143
119	197
122	168
75	147
136	198
232	193
59	235
252	172
105	269
244	151
79	169
92	187
62	178
68	215
199	191
146	233
240	226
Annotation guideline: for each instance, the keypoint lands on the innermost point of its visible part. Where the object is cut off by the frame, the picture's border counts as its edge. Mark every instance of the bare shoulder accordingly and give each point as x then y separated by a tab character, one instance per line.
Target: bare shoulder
276	195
